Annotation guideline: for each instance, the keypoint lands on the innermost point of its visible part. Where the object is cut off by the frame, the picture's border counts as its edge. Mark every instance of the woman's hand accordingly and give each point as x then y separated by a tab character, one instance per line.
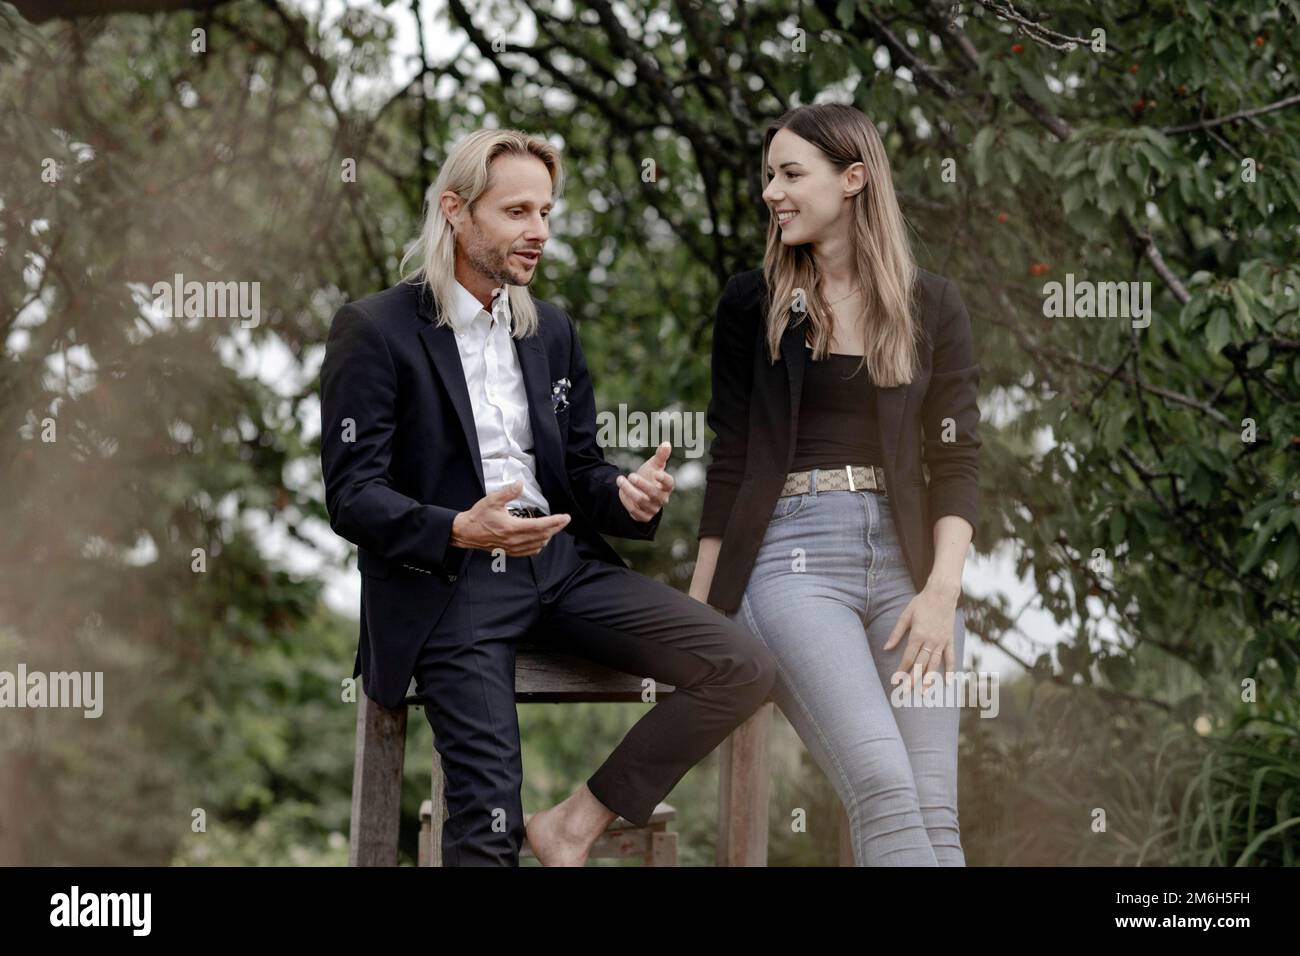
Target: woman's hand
931	617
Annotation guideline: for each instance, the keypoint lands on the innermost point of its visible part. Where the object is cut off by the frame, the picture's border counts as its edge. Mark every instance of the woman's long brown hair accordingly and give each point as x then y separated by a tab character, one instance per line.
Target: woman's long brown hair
885	266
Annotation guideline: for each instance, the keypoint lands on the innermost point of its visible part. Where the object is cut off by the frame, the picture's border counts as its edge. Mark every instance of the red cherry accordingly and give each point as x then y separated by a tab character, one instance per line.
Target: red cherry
1017	48
1003	217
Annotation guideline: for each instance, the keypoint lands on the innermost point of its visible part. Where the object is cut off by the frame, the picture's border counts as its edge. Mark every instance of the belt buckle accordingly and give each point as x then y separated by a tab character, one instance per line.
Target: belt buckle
848	470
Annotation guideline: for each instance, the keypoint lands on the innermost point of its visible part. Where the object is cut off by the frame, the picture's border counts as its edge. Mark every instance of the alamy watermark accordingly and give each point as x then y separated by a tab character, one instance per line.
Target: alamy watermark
634	430
74	689
956	689
209	300
1086	299
75	908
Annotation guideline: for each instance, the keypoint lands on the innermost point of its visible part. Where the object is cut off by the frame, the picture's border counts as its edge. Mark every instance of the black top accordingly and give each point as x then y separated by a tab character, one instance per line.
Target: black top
752	416
837	415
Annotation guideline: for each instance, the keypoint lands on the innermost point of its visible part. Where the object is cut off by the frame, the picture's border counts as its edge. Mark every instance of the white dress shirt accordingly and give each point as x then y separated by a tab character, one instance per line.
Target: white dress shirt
497	395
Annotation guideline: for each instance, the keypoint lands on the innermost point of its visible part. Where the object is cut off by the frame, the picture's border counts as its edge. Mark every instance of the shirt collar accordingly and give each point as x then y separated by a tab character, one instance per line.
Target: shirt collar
467	309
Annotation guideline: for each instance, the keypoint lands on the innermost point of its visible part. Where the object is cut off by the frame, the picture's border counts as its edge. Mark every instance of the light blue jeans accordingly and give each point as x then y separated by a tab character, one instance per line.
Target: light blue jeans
827	589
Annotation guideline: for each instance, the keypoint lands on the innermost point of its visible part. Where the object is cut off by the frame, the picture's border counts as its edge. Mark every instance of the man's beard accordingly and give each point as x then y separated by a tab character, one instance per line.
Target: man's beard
492	263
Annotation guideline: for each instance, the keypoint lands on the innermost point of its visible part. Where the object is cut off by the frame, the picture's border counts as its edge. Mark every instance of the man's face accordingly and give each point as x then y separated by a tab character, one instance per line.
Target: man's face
502	238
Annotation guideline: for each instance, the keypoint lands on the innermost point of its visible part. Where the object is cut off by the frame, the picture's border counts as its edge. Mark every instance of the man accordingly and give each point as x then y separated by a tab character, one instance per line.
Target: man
459	454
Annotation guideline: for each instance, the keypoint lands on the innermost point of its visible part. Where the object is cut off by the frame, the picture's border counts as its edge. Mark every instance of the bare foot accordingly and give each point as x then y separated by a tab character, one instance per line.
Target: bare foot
551	845
564	834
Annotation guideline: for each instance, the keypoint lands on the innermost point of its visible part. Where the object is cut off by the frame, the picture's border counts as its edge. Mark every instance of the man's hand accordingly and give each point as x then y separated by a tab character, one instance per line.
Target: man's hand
646	490
488	526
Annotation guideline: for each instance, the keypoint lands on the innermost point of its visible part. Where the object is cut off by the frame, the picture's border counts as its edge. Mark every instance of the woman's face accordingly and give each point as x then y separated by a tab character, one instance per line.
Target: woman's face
807	195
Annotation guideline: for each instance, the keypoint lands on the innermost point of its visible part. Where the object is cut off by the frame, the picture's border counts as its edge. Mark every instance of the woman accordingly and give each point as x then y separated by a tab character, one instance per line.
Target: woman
835	367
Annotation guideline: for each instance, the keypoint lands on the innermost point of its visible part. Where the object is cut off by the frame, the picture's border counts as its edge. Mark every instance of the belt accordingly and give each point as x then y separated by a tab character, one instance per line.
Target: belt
855	478
529	512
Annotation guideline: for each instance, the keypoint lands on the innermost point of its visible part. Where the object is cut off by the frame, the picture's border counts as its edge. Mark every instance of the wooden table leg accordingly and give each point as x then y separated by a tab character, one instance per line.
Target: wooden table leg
377	784
743	792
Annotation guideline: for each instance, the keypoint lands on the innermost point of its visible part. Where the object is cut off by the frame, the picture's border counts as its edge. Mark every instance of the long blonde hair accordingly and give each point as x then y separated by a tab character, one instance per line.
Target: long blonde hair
466	173
882	255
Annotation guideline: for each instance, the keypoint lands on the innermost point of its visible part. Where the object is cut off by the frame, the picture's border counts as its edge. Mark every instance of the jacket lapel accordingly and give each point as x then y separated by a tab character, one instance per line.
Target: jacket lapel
546	431
440	343
890	405
796	358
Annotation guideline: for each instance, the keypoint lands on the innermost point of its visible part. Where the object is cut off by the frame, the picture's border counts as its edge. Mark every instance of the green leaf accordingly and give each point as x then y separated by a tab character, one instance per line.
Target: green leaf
1156	157
1112	433
1263	538
1012	164
1218	331
1137	173
1239	294
980	149
1118	525
1223	54
1202	486
1191	311
1290	554
1074	166
1167	35
1106	165
1033	84
1073	198
1108	201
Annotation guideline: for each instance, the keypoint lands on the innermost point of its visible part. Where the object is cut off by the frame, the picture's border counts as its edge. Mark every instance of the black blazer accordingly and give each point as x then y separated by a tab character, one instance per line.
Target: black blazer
754	414
413	463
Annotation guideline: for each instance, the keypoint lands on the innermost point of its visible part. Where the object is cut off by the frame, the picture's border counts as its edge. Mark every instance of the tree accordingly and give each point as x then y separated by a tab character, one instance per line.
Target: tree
1143	474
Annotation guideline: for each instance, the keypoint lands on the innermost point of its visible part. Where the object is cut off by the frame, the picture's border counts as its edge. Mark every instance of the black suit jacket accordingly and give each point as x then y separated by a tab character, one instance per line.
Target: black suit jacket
414	463
754	414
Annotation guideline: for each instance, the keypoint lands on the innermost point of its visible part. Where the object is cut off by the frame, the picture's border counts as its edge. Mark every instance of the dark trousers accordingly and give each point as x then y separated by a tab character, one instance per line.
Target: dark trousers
588	608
